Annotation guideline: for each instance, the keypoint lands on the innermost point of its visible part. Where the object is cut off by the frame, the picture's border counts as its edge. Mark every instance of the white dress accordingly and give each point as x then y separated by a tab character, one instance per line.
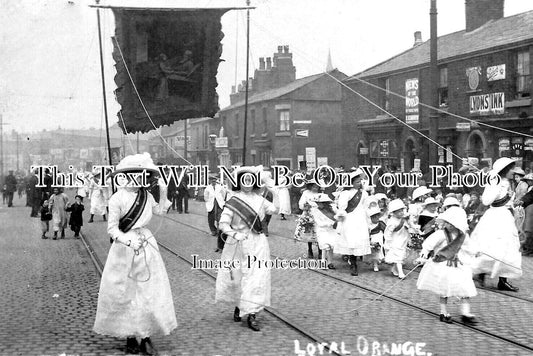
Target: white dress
396	241
353	239
444	280
282	196
135	299
98	199
496	235
247	286
326	235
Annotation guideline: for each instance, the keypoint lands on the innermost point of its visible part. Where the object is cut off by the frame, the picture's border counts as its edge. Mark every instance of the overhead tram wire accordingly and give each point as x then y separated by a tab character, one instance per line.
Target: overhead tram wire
304	55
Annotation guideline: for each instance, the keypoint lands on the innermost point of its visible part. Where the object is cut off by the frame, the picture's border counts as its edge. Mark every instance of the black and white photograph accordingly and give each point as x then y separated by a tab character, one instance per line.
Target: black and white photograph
266	177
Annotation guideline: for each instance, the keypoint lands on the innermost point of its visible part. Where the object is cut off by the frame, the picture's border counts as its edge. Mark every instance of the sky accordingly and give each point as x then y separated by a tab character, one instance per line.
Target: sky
50	64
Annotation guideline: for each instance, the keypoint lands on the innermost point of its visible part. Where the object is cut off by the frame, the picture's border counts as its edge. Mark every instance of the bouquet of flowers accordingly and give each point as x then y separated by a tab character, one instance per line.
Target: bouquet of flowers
305	227
375	246
415	242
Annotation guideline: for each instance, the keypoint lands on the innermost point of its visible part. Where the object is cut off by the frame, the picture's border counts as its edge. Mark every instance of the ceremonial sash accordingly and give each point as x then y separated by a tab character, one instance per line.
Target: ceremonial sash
132	216
449	252
328	212
246	213
354	202
380	227
501	202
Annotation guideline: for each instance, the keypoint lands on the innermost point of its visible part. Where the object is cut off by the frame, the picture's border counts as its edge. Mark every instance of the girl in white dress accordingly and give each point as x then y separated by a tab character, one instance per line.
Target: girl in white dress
396	237
496	233
248	284
135	300
448	272
306	202
324	216
353	224
377	240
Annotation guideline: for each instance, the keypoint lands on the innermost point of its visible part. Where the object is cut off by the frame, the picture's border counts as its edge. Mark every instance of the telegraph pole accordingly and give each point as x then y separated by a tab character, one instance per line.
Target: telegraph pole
247	80
434	85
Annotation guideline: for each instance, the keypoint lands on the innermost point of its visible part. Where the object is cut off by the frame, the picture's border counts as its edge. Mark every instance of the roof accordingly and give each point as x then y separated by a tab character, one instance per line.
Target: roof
493	34
277	92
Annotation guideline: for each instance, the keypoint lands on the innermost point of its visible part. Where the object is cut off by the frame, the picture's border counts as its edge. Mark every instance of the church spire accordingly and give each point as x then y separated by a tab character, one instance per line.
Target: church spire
329	66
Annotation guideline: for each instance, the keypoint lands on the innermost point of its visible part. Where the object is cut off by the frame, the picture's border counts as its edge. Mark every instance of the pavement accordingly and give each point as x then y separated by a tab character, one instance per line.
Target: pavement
50	288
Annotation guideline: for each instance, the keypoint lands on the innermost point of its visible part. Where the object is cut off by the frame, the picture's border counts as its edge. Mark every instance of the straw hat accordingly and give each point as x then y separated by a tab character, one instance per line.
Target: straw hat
500	164
374	211
380	196
420	191
430	201
136	163
528	176
451	201
456	217
519	171
396	204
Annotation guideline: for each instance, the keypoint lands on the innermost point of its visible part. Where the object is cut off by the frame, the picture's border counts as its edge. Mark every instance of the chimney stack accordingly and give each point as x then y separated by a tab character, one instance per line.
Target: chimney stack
280	49
418	39
233	89
479	12
262	63
269	63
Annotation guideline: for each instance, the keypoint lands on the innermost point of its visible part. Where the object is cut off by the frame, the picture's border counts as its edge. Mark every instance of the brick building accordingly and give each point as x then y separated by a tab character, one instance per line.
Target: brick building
290	121
485	75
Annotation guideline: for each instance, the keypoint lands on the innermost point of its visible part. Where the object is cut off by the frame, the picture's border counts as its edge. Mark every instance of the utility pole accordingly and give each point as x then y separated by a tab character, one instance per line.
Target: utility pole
434	85
247	80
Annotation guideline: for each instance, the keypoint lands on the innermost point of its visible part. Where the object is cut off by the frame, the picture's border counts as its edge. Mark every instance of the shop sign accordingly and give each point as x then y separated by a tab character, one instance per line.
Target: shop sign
310	158
221	142
363	150
496	72
473	74
301	133
517	147
486	104
383	148
411	101
463	126
504	144
528	144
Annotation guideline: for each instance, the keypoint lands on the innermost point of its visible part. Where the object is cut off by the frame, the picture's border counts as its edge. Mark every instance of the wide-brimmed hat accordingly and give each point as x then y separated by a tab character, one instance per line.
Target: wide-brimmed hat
396	204
322	198
519	171
380	196
420	191
528	176
451	201
430	201
500	164
374	211
355	173
136	163
456	217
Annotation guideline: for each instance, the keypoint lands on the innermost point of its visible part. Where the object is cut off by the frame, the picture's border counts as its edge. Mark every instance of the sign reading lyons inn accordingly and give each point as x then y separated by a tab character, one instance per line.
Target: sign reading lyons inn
487	104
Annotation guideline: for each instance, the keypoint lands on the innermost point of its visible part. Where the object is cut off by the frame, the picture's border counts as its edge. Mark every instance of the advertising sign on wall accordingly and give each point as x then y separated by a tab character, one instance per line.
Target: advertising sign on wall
411	101
487	104
310	158
496	72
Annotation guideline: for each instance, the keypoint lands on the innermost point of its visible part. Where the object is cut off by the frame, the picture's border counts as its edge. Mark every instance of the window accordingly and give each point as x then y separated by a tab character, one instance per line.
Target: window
443	87
265	125
252	122
284	120
523	75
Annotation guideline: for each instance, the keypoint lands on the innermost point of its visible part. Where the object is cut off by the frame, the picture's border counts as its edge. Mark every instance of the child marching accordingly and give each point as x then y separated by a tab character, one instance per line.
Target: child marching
377	240
448	272
76	217
324	217
397	237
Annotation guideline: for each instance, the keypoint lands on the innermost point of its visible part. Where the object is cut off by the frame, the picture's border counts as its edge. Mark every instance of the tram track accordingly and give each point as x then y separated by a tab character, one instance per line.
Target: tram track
375	292
276	314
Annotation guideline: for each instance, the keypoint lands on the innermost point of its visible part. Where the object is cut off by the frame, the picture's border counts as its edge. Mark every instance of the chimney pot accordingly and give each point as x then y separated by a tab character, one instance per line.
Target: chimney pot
286	49
418	39
269	63
280	49
261	63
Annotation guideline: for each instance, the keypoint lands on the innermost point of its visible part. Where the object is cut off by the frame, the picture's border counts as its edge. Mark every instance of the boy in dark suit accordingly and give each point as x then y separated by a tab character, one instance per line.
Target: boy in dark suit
76	217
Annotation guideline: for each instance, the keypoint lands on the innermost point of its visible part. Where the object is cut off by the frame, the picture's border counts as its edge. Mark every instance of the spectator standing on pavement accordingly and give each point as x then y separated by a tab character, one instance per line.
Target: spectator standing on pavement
57	204
76	215
98	197
11	188
214	202
172	193
183	195
46	216
33	194
248	286
448	272
135	300
496	232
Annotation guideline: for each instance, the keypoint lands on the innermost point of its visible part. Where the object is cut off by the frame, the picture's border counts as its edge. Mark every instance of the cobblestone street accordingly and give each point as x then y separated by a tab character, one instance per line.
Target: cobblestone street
49	295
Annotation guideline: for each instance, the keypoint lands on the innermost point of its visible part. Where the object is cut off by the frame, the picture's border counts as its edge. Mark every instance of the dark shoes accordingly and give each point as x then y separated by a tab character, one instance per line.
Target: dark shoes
506	286
252	323
218	250
480	278
445	318
236	315
146	347
469	320
132	346
331	266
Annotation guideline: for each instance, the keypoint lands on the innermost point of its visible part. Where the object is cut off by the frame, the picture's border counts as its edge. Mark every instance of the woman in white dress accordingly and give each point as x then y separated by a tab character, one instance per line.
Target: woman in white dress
496	233
246	283
354	238
135	300
98	197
